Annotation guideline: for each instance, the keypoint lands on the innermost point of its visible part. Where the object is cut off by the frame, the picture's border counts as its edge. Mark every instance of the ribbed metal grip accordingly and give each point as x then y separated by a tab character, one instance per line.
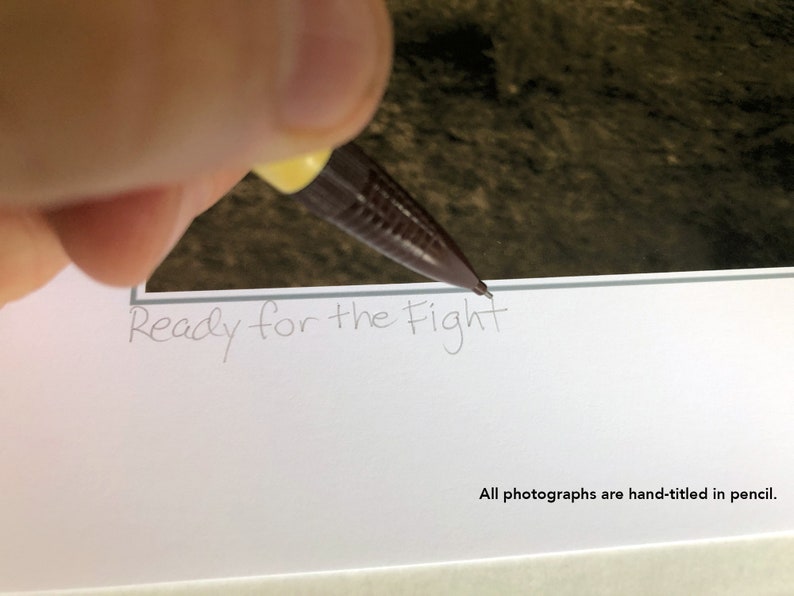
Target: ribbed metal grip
354	193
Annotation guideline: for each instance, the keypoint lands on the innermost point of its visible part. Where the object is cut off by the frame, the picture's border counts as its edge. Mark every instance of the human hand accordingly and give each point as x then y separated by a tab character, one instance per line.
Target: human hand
121	121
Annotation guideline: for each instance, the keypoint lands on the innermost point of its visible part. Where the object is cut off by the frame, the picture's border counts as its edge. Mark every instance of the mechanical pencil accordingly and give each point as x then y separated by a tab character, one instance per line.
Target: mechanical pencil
350	190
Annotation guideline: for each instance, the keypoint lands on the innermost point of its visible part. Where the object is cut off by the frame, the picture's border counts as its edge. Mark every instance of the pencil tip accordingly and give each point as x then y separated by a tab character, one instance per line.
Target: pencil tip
482	290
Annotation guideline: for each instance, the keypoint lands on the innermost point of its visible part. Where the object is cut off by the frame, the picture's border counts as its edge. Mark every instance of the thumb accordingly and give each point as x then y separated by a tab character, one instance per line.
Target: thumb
123	120
102	97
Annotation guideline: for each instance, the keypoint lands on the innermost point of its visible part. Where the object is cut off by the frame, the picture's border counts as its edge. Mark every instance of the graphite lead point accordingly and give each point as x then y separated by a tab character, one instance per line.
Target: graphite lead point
482	290
356	194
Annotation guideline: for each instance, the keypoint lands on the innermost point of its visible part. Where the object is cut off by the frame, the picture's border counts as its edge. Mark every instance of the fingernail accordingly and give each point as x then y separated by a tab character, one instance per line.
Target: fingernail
330	61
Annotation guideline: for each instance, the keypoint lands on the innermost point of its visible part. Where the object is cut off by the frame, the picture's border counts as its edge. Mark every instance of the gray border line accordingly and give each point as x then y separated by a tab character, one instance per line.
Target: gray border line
539	284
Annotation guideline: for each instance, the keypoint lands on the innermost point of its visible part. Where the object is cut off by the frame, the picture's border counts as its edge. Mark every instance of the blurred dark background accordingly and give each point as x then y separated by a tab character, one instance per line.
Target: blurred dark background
553	137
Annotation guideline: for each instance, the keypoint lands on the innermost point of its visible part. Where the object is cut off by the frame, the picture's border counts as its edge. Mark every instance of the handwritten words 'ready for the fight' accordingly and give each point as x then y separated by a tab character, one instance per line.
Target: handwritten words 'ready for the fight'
417	317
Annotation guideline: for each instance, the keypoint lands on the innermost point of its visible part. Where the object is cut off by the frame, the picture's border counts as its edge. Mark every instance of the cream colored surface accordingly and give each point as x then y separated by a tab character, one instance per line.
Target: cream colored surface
758	566
144	441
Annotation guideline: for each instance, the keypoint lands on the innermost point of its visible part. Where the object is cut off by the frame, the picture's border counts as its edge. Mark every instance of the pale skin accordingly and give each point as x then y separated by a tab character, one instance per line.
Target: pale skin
120	121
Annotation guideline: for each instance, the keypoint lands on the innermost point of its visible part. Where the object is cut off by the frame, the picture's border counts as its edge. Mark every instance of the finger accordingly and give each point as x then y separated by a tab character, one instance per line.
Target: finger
121	239
101	97
30	253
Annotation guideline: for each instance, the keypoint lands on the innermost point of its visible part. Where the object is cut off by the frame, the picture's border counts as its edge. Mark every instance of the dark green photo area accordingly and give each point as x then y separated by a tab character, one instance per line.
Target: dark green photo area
552	138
